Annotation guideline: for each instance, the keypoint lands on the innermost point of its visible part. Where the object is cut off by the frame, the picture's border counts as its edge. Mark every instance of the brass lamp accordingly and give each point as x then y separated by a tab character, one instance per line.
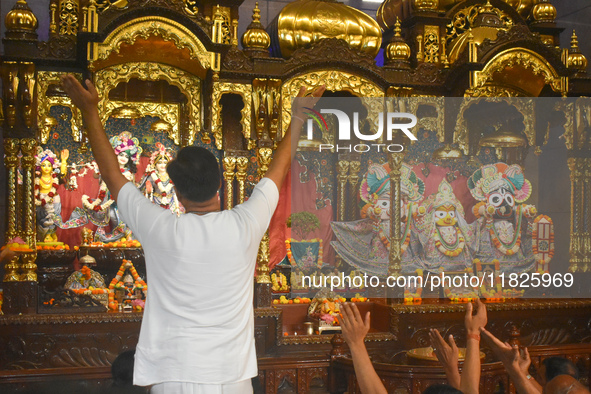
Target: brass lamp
503	139
161	126
447	152
125	111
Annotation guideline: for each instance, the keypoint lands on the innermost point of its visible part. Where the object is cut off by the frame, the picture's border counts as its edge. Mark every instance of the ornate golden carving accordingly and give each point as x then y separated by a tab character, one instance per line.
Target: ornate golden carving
45	102
52	24
342	177
28	92
241	167
525	58
108	78
436	124
191	7
524	106
229	166
264	159
168	112
144	28
29	267
463	20
219	88
10	82
29	149
69	17
334	81
431	44
11	149
263	257
395	256
576	222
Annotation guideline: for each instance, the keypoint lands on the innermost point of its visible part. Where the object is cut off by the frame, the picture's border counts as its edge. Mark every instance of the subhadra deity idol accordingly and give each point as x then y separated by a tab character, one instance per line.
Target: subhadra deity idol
47	201
365	243
508	231
156	184
448	240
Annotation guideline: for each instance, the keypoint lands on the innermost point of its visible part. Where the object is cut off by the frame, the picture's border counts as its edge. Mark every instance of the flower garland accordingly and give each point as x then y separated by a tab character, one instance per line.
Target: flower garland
447	249
512	247
41	201
96	205
164	191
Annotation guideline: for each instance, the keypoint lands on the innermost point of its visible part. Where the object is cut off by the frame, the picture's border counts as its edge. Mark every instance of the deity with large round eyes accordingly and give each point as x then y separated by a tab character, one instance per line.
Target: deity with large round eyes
365	244
507	227
156	184
47	201
447	240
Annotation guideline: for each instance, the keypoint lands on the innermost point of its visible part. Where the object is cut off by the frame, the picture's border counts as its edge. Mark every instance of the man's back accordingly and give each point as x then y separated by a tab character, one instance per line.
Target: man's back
198	322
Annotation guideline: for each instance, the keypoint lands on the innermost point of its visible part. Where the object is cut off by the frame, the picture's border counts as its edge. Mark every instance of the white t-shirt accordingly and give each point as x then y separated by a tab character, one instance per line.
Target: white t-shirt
198	324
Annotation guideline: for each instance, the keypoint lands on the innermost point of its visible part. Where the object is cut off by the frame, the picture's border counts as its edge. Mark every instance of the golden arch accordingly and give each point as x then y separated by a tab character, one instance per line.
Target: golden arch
333	80
525	58
146	27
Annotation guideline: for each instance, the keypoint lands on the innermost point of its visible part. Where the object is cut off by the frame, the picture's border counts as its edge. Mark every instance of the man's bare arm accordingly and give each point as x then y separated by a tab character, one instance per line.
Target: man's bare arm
87	101
282	157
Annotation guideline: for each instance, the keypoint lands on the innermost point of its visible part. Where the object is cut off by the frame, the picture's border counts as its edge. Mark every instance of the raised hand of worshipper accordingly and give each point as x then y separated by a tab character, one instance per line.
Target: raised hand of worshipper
470	379
84	99
448	356
354	330
516	362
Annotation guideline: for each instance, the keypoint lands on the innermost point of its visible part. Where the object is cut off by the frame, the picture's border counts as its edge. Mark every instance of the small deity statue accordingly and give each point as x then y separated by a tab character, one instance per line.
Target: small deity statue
505	225
279	282
444	234
47	201
365	243
156	184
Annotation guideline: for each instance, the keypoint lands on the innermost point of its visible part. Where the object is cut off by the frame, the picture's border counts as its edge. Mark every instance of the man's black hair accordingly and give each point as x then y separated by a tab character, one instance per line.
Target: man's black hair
195	173
559	366
441	389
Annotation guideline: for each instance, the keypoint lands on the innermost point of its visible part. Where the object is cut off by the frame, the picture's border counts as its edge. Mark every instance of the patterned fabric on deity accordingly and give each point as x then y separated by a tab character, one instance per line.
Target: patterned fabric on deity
447	239
365	244
504	225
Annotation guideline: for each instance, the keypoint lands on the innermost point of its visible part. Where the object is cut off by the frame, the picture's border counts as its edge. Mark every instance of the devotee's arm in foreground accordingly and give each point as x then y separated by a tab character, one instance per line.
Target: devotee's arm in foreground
516	363
354	331
282	157
470	380
7	254
87	101
447	355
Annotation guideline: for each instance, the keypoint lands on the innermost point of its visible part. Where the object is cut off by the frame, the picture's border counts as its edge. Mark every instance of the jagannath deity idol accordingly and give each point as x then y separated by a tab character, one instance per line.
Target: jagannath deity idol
447	239
102	210
156	184
47	202
365	244
509	230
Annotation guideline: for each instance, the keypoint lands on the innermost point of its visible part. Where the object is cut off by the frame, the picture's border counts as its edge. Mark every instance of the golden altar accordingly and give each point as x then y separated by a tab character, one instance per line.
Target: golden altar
174	74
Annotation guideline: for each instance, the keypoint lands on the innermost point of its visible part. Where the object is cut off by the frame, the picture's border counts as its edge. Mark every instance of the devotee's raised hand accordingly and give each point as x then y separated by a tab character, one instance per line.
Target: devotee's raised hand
475	322
448	356
7	254
509	355
306	100
354	327
86	100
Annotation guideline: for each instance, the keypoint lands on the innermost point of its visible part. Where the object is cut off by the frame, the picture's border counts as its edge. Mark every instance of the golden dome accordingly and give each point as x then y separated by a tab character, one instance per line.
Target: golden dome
397	49
255	36
21	18
503	139
304	22
543	11
576	60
